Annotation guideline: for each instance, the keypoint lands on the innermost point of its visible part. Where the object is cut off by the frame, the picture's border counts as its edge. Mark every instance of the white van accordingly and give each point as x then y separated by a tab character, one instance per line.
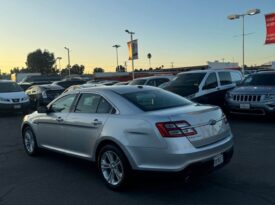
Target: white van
12	97
205	86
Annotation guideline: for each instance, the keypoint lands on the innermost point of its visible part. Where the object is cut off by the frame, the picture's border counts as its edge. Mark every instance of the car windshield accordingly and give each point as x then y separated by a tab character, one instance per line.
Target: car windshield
10	87
188	79
138	82
152	100
260	80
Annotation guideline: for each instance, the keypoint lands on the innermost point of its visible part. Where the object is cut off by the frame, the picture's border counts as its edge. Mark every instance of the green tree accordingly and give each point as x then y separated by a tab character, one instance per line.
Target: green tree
98	70
41	62
120	68
149	56
77	69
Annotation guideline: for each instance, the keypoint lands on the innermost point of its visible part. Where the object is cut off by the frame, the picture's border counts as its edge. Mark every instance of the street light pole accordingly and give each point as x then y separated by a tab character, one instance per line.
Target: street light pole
131	35
116	46
59	58
69	64
237	16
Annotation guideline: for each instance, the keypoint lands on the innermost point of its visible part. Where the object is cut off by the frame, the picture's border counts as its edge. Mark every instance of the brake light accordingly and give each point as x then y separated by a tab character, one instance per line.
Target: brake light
175	129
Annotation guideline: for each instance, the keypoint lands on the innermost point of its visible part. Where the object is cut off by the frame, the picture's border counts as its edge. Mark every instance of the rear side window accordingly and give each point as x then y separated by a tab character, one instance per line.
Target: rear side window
104	106
87	103
211	82
152	100
225	78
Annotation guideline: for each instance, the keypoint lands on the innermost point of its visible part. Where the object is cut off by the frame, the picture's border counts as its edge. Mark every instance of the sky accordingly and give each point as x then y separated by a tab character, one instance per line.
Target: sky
185	32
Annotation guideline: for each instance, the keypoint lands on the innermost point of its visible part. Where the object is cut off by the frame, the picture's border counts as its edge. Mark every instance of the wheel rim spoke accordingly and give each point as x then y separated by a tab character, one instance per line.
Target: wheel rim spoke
111	167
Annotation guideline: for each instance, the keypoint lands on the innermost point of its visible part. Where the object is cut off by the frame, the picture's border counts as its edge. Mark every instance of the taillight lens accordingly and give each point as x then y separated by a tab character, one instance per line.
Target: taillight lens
175	129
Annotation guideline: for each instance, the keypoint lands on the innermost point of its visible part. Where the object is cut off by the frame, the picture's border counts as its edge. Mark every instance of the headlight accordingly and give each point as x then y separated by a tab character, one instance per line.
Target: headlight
4	100
270	97
26	98
229	95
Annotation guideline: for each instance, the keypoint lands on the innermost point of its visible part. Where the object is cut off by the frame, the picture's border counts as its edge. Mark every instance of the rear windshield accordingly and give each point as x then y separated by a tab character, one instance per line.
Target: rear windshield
260	80
138	82
156	100
10	87
188	79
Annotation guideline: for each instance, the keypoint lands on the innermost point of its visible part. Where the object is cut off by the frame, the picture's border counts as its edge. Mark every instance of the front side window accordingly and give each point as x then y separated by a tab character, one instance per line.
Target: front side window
161	81
152	82
138	82
87	103
211	82
225	78
63	104
236	77
152	100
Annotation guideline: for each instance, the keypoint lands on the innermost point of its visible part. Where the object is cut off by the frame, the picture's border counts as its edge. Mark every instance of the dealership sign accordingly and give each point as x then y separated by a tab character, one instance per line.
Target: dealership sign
133	49
270	28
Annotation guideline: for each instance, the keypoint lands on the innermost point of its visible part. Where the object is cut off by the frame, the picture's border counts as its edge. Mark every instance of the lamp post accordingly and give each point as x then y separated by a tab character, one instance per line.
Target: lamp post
116	46
237	16
59	58
131	36
69	65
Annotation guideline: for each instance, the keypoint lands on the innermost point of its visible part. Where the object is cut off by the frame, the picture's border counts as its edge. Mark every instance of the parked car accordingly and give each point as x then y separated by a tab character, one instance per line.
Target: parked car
43	94
152	80
37	80
126	128
109	82
12	97
67	83
256	95
205	86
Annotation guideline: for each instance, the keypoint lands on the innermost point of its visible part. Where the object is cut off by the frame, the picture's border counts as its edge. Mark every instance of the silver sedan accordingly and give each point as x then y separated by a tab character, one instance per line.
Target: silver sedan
127	128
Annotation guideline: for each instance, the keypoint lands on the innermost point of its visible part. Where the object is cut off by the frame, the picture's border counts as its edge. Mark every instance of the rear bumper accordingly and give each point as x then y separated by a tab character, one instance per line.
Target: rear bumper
259	108
14	107
177	160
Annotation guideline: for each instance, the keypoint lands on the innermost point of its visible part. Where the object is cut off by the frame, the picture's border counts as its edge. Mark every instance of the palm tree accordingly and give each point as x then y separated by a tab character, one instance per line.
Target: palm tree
149	56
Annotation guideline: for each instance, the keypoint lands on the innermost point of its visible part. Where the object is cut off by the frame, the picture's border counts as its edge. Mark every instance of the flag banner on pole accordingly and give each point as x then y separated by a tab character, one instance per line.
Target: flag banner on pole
133	49
270	28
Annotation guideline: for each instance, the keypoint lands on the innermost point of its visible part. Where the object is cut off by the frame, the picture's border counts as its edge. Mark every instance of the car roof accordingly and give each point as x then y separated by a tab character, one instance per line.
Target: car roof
122	89
155	77
207	71
50	86
264	72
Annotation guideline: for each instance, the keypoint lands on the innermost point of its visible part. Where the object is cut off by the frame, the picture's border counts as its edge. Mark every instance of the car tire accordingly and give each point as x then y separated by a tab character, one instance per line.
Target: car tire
29	142
114	167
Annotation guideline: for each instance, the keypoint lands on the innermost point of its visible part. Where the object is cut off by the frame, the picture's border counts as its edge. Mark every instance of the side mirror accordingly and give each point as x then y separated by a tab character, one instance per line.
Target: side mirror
42	109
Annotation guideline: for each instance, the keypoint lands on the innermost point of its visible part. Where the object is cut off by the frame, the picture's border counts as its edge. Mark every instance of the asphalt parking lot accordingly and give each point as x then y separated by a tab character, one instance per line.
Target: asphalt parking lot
56	179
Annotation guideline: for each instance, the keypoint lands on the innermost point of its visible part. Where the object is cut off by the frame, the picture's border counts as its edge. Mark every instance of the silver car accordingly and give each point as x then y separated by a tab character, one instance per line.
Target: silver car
127	128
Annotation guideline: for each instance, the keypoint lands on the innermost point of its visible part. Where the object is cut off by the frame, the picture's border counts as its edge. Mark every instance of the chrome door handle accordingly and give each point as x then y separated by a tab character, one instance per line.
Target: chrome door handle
59	119
96	122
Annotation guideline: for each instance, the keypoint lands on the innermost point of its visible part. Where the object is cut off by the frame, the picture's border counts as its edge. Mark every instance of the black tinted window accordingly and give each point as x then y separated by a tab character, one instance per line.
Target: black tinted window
104	106
156	100
267	79
211	82
161	81
225	78
152	82
10	87
87	103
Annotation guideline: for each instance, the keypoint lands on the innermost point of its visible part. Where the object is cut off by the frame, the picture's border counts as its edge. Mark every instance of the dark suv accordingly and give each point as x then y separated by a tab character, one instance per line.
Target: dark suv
43	94
256	95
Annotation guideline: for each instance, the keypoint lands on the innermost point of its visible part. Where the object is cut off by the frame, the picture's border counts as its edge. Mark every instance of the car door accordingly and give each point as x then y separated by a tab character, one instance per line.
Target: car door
84	125
209	90
50	131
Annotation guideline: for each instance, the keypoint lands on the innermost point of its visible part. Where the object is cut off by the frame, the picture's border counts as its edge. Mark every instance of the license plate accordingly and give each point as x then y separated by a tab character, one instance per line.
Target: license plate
17	106
218	160
245	106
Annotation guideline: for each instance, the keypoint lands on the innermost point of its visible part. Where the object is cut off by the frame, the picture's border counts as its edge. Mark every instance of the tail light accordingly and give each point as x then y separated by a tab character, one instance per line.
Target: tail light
175	129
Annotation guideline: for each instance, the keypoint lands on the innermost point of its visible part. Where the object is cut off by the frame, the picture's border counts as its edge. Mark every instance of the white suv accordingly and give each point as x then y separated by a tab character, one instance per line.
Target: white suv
205	86
12	97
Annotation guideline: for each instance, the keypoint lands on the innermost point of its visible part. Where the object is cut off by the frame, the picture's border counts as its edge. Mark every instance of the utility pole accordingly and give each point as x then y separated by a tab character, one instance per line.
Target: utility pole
116	46
69	64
